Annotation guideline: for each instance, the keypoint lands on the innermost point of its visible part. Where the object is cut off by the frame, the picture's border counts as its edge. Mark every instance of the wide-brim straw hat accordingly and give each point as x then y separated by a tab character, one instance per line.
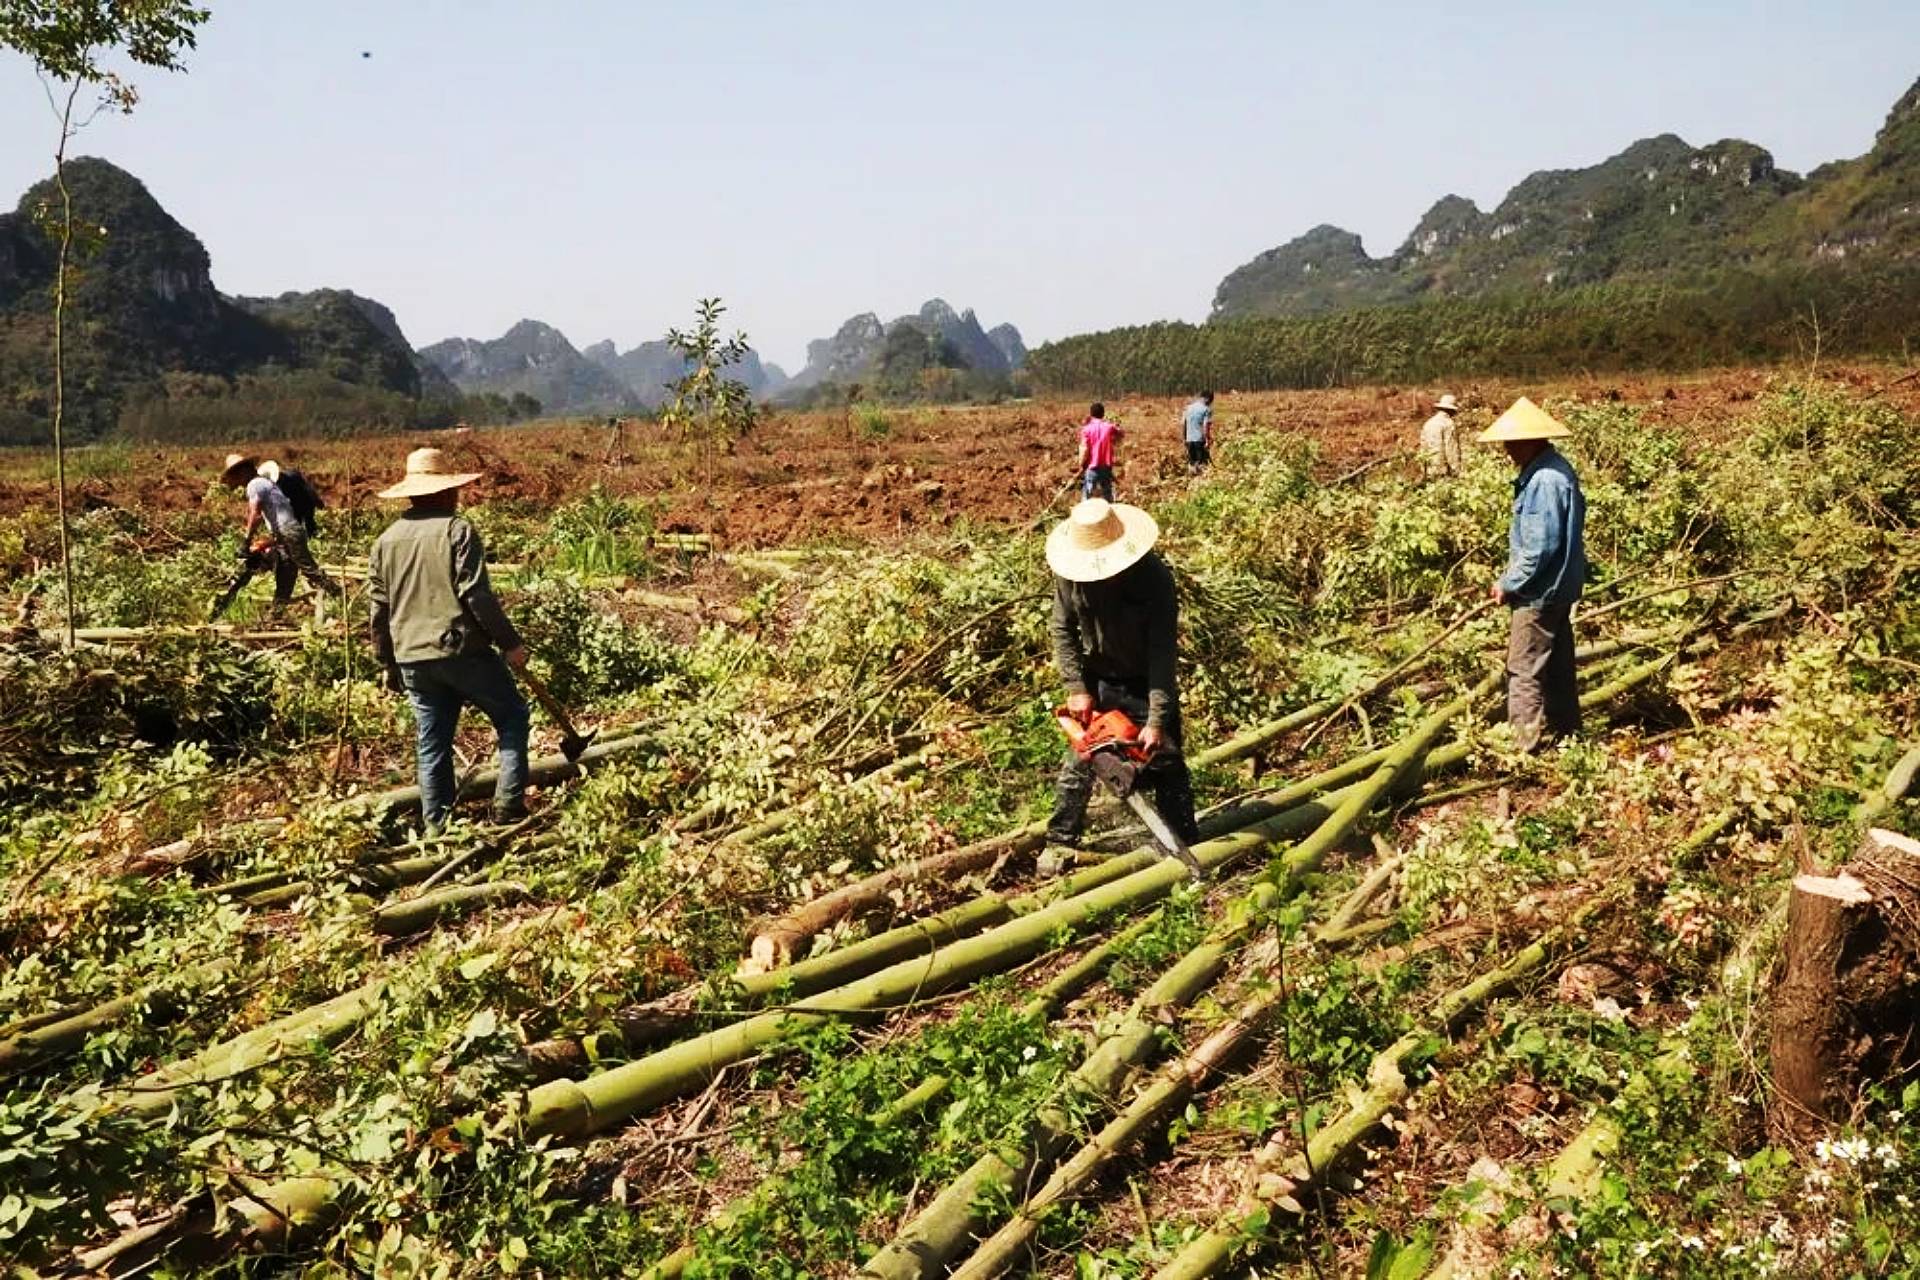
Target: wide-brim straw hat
1100	539
238	466
1448	403
429	471
1524	420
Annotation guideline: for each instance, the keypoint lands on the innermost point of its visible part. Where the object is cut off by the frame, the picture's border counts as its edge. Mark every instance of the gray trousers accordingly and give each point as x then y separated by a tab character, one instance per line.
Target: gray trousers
1543	699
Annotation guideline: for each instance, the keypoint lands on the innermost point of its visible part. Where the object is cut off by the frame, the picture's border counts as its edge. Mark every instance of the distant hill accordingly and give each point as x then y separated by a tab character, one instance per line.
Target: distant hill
647	370
867	352
1660	209
532	359
145	319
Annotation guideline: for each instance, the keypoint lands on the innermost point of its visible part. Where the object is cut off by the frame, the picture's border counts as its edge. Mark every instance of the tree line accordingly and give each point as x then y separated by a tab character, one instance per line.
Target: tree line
1728	317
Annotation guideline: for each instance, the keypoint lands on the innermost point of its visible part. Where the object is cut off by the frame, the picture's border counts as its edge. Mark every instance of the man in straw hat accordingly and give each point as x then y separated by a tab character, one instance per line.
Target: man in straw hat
284	529
1115	624
443	636
1546	567
1440	440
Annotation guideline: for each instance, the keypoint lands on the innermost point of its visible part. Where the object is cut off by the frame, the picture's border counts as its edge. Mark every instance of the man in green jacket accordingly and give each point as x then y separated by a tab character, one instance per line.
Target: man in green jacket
443	636
1115	630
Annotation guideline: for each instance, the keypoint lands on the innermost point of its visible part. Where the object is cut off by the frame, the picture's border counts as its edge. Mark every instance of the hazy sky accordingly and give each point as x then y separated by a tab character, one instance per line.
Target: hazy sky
1066	166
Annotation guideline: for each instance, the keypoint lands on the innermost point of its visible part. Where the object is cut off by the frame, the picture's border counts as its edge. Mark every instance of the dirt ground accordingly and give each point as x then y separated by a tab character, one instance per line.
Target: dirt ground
815	476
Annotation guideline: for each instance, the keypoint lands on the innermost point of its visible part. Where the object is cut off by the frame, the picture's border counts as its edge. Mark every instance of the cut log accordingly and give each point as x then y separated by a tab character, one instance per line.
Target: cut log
543	771
1847	1010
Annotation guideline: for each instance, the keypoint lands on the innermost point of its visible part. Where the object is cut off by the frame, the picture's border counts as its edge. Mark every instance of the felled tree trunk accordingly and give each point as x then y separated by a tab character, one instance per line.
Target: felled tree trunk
1847	1010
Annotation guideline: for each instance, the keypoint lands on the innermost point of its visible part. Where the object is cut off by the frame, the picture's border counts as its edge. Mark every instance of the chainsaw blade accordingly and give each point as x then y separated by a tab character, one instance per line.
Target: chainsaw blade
1163	834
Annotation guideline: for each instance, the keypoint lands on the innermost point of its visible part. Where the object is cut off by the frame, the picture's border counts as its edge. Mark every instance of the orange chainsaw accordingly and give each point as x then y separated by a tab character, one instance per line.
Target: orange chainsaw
1110	742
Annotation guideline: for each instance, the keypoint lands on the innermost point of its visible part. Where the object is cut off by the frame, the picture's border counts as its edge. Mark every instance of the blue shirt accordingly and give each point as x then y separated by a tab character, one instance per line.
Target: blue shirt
1198	417
1546	548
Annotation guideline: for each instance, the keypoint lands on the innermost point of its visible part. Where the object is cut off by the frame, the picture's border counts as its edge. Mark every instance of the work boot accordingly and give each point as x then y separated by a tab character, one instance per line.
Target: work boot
1054	858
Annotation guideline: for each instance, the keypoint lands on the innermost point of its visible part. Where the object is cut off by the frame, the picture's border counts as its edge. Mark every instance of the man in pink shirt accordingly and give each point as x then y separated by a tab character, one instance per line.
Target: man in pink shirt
1097	438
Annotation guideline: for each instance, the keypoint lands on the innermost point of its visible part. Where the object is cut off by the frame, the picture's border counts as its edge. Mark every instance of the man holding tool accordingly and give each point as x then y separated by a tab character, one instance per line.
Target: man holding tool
280	519
443	636
1115	627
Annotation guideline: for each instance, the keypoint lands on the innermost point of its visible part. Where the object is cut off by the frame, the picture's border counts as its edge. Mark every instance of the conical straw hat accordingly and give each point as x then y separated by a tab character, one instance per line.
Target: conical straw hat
1525	420
429	471
1099	540
239	466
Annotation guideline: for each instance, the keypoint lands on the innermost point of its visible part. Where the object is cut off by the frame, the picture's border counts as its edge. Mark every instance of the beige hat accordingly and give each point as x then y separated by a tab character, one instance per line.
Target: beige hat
238	467
1524	420
1448	403
428	471
1099	540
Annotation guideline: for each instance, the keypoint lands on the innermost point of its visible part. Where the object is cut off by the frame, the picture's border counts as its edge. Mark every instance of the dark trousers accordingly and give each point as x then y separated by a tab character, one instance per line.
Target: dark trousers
1198	455
1098	482
1165	779
438	690
1543	698
289	556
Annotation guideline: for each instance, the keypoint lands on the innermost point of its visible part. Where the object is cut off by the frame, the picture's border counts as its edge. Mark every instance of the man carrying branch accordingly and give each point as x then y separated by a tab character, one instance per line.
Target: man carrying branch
1546	567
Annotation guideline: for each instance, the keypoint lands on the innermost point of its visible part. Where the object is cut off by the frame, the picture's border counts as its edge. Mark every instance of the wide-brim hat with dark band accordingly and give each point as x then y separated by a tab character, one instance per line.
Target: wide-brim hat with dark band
429	471
239	466
1100	539
1525	420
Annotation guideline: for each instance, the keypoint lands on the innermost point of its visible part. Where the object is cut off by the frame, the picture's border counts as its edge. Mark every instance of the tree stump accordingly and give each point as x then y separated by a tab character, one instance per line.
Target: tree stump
1846	1012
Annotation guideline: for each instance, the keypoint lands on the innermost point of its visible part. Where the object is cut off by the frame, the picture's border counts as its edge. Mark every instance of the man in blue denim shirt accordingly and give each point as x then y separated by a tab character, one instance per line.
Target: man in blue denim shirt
1546	567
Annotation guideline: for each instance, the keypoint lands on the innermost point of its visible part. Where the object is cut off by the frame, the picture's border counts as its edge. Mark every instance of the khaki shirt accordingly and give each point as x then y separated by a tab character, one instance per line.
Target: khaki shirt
1440	446
427	580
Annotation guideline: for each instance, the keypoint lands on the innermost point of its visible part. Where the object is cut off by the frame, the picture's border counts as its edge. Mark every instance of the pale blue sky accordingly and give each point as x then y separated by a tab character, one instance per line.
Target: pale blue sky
1066	166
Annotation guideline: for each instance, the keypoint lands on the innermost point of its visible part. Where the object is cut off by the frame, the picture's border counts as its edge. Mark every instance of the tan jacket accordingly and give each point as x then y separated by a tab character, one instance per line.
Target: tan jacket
1440	446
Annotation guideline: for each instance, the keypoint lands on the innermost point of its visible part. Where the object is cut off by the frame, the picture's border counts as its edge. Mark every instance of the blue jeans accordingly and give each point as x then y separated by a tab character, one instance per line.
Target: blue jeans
438	690
1097	480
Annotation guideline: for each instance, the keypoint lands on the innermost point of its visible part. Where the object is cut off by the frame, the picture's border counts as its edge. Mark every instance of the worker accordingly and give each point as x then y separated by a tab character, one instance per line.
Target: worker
276	531
443	637
1115	624
1197	424
1546	567
1097	438
1440	440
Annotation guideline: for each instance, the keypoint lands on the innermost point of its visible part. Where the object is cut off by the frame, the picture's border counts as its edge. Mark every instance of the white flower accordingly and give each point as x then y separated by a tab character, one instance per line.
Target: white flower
1027	1054
1888	1157
1643	1248
1693	1242
1780	1232
1734	1166
1901	1199
1733	1251
1823	1151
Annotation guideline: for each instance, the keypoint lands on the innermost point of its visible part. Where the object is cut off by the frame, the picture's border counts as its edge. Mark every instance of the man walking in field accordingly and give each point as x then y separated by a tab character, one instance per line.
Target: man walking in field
284	527
444	638
1197	424
1115	632
1097	438
1440	440
1546	568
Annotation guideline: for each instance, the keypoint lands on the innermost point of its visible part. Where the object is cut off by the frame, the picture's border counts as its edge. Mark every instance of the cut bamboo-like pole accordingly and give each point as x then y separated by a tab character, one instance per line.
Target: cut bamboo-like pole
543	771
1340	924
396	919
1148	1111
1898	785
1057	991
940	1232
1387	1088
36	1046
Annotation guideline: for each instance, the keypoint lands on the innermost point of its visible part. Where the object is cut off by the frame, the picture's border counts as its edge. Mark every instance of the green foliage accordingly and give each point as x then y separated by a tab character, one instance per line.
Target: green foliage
1735	316
586	652
708	405
599	537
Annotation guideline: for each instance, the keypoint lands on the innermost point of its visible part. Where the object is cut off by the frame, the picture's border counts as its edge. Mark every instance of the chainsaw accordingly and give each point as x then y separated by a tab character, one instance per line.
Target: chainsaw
1109	741
256	557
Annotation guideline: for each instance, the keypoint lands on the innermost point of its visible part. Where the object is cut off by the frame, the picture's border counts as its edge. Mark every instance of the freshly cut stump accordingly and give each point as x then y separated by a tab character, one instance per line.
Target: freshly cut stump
1847	1010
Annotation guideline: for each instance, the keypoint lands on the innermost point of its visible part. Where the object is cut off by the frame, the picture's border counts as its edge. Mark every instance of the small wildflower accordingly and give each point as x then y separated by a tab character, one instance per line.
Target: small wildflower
1733	1251
1780	1232
1734	1166
1643	1248
1693	1242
